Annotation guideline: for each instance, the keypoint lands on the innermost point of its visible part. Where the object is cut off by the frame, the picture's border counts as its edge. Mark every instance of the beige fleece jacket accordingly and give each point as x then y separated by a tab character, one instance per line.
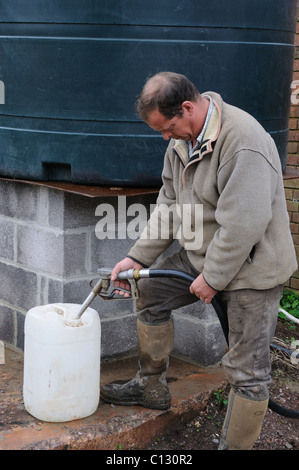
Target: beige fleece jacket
241	228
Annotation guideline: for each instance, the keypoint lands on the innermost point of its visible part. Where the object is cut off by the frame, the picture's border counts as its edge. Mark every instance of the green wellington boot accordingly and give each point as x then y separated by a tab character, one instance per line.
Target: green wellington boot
149	387
243	422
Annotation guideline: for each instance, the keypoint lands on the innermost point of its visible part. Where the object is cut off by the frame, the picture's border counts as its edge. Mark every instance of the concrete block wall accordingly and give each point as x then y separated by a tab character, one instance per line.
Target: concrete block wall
49	252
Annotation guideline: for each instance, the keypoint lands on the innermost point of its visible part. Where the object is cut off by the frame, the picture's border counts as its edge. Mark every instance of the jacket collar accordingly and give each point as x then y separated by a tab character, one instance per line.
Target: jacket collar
210	136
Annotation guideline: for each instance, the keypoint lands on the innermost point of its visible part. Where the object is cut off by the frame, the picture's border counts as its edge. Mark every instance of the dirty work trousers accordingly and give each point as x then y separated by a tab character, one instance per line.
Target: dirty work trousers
252	317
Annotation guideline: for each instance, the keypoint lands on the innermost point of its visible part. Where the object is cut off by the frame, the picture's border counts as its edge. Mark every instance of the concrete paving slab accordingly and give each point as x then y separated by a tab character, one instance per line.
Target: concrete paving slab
110	427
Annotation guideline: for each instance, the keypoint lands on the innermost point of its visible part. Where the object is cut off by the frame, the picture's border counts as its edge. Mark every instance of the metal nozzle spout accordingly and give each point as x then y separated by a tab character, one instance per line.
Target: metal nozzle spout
96	289
103	285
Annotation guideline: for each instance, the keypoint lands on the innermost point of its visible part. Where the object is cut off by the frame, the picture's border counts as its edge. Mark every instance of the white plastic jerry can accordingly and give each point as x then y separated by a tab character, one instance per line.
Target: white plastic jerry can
61	362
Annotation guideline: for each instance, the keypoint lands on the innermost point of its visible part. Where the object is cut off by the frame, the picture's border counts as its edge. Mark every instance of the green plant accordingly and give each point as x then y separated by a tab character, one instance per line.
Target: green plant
220	398
290	340
289	302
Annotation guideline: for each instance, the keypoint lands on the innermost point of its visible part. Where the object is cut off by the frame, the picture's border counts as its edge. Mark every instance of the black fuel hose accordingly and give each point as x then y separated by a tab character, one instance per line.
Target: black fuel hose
222	316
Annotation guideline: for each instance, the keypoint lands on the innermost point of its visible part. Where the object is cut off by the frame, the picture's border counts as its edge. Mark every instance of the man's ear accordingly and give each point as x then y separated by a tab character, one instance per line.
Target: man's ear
187	107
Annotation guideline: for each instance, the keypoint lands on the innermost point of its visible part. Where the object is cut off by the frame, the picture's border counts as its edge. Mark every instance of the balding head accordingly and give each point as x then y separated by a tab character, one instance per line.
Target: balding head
166	91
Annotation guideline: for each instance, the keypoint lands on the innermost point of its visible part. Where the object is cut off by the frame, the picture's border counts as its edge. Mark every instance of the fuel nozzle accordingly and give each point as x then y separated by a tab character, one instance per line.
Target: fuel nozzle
104	289
101	286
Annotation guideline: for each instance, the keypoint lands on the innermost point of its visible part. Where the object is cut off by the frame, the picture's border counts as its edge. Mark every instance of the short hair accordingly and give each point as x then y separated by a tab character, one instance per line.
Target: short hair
165	91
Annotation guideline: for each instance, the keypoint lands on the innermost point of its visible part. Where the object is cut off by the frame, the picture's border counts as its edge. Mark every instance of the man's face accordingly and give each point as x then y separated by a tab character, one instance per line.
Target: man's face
179	127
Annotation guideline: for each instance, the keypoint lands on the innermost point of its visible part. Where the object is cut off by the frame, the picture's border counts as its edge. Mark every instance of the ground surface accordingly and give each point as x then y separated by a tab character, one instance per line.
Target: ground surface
278	432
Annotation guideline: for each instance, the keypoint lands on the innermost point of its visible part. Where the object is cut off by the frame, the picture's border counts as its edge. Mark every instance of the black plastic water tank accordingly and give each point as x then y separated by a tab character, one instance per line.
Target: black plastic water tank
71	70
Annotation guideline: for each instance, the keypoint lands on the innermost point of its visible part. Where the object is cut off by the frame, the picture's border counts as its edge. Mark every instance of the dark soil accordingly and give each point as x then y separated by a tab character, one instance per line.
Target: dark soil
278	432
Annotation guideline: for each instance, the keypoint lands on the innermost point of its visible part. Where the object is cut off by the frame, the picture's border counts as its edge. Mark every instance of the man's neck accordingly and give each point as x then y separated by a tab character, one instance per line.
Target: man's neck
200	118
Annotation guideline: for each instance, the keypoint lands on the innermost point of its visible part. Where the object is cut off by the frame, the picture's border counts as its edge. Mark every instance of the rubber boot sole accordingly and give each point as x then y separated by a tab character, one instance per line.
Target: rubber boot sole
135	400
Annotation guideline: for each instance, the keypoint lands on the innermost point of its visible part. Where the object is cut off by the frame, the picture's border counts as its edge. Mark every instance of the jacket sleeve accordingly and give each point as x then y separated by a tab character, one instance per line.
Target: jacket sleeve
163	223
246	185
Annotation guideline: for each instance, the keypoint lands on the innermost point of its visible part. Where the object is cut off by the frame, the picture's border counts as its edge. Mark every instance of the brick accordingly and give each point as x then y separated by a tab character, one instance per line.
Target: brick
7	324
56	208
84	208
294	228
40	250
293	123
293	160
294	283
296	239
294	111
18	200
20	330
43	207
76	211
292	183
18	287
107	252
288	284
118	336
289	193
196	310
200	336
296	274
292	147
55	291
6	239
292	206
294	136
295	217
75	265
51	252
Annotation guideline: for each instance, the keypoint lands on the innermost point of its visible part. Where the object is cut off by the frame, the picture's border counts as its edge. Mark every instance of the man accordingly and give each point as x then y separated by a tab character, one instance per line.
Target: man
221	159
